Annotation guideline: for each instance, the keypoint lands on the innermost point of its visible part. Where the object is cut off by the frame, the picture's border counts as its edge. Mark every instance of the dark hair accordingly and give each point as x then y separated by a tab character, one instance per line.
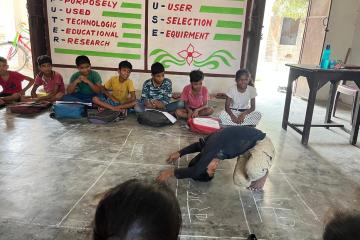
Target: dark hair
343	226
125	64
138	210
3	60
242	72
196	76
157	68
82	60
43	59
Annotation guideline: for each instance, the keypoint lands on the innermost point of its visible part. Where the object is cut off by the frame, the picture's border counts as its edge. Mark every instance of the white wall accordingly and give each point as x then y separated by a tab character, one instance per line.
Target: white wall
344	19
355	48
7	23
354	55
20	11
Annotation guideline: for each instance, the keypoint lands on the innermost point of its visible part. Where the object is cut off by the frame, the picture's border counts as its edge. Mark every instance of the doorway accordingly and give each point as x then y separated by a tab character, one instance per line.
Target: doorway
290	35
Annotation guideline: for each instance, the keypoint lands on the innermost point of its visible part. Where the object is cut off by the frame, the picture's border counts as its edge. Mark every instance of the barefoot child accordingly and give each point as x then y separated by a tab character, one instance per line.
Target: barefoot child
11	84
52	81
240	102
84	84
122	96
226	144
156	92
195	97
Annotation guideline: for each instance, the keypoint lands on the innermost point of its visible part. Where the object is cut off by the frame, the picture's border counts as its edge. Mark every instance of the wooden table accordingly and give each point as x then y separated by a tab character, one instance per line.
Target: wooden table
317	78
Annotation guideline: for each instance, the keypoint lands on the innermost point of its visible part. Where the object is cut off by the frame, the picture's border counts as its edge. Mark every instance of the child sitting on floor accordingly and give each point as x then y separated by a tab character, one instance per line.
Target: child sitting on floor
84	84
52	81
240	102
121	87
138	210
156	92
195	97
10	82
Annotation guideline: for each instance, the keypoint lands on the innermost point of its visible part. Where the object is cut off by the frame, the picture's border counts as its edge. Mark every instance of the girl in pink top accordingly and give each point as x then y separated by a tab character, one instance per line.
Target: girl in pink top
195	97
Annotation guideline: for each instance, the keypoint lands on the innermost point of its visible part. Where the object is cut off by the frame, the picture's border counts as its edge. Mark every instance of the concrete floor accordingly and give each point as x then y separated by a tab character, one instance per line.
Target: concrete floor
50	172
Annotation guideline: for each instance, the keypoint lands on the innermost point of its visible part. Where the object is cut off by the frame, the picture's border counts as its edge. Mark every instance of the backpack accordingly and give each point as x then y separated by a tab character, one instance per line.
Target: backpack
106	116
29	107
204	125
68	110
154	118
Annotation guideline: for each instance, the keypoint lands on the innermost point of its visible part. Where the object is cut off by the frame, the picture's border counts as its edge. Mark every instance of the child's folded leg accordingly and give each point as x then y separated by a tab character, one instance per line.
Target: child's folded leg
79	97
106	103
252	119
181	113
206	111
173	106
11	98
139	107
226	119
57	97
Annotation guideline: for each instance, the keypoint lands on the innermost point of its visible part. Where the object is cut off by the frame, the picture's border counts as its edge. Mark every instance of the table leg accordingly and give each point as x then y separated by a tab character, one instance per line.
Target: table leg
355	123
288	100
309	110
330	102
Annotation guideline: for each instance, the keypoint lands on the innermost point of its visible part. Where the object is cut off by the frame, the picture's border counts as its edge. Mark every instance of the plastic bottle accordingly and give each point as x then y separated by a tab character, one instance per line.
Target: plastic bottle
325	60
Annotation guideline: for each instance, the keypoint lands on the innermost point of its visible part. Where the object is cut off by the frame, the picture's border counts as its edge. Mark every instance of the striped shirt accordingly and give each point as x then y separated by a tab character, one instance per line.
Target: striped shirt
161	93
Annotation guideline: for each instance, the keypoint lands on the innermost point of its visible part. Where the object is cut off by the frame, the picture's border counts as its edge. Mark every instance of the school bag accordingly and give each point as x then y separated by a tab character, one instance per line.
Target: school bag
68	110
204	125
103	117
155	118
29	107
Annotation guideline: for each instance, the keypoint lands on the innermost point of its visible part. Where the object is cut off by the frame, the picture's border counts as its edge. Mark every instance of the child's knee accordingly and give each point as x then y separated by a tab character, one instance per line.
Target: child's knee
180	104
58	96
96	99
132	104
180	112
210	110
21	98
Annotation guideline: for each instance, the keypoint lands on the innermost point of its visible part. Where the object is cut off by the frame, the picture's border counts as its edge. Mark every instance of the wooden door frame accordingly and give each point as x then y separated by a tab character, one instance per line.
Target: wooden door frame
256	11
305	30
304	36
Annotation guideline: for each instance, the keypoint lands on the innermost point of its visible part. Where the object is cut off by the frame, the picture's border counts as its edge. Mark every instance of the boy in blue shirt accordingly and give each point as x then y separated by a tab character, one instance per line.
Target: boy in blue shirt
156	92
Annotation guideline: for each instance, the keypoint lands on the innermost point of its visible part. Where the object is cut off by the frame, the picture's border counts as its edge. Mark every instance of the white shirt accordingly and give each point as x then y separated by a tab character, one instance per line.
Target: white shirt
241	100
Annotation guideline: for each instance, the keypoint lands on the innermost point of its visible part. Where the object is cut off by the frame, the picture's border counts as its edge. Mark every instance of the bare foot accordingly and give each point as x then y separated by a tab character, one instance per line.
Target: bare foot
258	184
2	102
173	157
